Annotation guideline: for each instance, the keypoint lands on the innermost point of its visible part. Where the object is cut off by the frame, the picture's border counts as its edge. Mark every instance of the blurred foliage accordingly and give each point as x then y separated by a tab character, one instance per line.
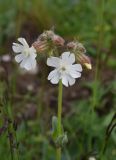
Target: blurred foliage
73	19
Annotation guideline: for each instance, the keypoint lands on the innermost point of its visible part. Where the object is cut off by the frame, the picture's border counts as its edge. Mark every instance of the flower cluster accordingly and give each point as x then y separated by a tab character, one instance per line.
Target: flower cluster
64	67
65	70
47	41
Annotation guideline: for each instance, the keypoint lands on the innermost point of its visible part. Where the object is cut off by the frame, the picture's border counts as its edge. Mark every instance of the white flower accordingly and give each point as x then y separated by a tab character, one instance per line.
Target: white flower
64	69
27	55
92	158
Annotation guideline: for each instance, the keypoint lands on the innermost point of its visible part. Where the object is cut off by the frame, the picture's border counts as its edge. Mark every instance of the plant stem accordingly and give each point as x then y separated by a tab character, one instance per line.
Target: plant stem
100	44
59	106
100	22
59	153
59	117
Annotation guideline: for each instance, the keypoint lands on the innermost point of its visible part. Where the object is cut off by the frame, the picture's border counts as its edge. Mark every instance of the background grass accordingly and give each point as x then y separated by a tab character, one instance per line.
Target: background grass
88	107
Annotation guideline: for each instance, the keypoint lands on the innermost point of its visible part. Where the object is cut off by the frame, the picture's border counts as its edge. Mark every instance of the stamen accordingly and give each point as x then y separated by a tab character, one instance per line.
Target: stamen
63	68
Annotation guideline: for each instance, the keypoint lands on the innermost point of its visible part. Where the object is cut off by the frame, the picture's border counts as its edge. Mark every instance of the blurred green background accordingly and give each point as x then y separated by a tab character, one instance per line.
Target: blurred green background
88	106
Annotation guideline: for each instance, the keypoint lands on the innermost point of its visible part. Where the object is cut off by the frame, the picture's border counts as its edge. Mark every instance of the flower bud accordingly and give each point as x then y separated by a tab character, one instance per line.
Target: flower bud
79	50
40	46
72	45
47	41
46	35
57	40
76	46
84	60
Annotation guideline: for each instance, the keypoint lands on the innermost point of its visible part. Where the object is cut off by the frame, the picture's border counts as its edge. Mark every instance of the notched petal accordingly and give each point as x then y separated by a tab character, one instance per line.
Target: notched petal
23	42
53	62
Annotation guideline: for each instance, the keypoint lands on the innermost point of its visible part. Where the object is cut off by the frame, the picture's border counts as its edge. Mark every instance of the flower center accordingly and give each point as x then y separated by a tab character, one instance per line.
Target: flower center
26	52
63	68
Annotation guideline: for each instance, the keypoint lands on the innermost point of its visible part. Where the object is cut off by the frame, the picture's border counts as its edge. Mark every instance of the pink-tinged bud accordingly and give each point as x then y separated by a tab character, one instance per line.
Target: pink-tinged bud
76	46
51	37
84	60
46	36
57	40
79	50
40	46
47	41
72	45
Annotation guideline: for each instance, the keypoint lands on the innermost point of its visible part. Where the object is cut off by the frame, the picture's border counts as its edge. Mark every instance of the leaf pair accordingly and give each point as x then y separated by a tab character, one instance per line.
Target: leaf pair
59	140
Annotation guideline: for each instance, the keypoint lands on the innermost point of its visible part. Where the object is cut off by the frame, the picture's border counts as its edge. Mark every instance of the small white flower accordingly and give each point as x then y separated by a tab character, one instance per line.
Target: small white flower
27	55
6	58
64	69
92	158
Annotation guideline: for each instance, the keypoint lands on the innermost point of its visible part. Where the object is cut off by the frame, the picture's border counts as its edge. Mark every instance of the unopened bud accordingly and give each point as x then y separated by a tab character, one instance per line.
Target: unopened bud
84	60
71	45
88	66
47	41
57	40
40	46
79	50
76	46
46	35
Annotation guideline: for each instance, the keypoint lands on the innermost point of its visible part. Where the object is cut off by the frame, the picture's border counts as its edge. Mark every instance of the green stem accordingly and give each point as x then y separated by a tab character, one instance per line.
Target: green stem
59	106
59	153
100	19
100	45
20	17
59	117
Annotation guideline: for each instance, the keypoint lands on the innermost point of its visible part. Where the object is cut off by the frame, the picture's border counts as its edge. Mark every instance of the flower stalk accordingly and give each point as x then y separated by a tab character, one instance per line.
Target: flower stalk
59	117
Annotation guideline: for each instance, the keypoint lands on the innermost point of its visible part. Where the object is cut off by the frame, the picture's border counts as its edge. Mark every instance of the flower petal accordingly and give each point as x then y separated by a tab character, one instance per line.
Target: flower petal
75	74
19	57
32	49
71	80
52	74
53	61
68	57
54	80
65	55
72	58
77	67
65	80
22	64
30	64
17	48
23	42
33	55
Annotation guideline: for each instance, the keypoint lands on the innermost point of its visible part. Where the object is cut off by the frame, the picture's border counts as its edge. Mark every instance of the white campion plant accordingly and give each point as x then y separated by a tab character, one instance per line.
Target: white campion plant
26	55
65	69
